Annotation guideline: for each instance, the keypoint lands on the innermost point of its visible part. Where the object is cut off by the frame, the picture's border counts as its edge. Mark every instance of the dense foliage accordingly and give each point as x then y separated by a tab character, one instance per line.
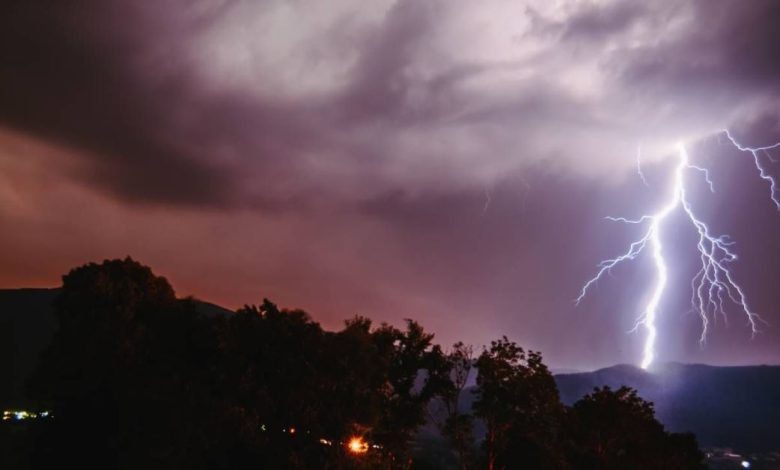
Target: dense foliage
139	379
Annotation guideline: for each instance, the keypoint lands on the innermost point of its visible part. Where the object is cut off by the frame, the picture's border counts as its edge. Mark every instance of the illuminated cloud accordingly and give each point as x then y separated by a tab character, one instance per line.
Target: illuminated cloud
423	157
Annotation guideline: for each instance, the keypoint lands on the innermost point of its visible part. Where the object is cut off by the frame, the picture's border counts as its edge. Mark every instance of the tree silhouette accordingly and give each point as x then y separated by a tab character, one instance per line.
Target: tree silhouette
126	353
407	391
618	430
457	426
139	379
518	401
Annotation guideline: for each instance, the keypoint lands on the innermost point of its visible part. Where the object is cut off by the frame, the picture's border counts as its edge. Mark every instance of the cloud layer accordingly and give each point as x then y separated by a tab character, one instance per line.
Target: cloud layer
446	159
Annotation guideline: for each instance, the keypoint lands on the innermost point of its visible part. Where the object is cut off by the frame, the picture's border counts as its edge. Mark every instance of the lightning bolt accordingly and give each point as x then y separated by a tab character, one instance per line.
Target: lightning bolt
487	201
756	151
639	165
714	285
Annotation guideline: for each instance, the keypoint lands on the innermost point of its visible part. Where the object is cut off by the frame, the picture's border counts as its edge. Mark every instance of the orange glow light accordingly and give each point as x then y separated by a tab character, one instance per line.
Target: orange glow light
357	445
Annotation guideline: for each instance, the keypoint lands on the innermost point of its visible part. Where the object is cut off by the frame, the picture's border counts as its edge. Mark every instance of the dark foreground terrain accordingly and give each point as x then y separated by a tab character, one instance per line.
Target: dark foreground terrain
736	407
733	411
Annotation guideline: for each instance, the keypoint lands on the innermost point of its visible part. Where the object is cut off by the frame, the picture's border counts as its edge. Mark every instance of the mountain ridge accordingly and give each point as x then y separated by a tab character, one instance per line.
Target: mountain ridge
27	325
725	406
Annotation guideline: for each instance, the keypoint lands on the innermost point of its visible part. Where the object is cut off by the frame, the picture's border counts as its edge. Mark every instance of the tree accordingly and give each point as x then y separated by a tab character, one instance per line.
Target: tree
272	382
457	426
415	371
518	401
282	371
138	378
126	352
618	430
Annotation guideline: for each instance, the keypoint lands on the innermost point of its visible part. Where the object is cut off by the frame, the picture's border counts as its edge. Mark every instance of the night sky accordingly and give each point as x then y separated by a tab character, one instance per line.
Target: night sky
450	161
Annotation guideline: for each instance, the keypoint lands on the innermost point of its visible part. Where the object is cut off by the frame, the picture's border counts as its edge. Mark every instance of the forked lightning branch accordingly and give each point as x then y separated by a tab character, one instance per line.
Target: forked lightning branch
714	285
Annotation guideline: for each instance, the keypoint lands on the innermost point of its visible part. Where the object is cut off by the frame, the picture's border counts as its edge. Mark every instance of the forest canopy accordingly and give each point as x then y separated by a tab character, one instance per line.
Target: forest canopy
138	378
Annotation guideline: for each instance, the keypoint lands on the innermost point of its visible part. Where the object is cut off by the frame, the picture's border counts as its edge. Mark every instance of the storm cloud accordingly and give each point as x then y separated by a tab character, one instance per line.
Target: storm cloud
444	159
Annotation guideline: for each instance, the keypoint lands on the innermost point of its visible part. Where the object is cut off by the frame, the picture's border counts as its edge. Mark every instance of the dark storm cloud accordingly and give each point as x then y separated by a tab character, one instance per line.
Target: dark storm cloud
116	81
379	89
726	43
446	159
592	21
762	127
65	75
605	20
122	83
729	50
86	76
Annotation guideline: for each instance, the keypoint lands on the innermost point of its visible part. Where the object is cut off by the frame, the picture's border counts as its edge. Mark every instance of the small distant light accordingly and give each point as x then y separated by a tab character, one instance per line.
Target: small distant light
325	442
745	464
262	427
20	415
292	430
357	445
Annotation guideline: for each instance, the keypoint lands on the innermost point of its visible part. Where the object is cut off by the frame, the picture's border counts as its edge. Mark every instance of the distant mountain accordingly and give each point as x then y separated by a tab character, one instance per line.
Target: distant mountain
210	310
728	407
27	325
737	407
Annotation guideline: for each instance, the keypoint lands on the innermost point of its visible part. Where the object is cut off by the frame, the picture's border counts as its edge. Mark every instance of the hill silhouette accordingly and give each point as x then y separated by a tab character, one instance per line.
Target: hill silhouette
724	406
27	325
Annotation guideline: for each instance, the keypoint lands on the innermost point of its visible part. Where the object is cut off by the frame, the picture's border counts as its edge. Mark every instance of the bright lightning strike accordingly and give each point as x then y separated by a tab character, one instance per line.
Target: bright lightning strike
713	285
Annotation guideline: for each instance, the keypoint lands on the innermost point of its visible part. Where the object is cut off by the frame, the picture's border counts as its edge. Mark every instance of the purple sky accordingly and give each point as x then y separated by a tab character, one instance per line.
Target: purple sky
446	160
